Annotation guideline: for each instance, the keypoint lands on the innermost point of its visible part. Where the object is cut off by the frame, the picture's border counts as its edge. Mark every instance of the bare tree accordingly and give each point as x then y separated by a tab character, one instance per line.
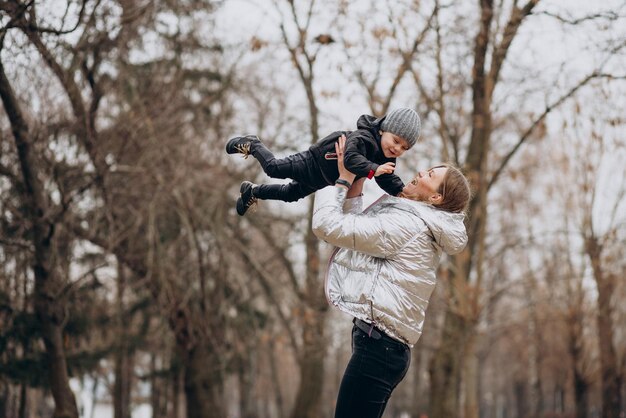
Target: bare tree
597	236
312	353
495	35
135	207
382	56
43	213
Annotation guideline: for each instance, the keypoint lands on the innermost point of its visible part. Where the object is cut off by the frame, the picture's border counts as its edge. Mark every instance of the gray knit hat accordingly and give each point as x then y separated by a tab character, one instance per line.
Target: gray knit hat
403	122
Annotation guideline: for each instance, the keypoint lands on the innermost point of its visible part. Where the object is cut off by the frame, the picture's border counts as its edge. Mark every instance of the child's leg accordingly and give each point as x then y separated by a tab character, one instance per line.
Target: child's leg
289	192
293	167
250	193
300	166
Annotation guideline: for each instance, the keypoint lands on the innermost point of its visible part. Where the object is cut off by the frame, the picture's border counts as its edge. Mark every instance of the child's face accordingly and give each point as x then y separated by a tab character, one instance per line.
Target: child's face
392	145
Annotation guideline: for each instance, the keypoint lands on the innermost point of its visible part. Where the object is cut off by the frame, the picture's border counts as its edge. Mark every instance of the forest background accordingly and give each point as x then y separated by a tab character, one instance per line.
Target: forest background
129	286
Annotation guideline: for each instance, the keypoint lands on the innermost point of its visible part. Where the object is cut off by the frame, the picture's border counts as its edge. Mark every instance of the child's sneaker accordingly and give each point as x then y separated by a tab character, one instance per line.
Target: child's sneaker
246	199
241	144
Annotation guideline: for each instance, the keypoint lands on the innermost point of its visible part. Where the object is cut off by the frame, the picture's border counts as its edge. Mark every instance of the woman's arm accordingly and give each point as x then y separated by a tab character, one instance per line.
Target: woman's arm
354	197
380	235
357	188
353	202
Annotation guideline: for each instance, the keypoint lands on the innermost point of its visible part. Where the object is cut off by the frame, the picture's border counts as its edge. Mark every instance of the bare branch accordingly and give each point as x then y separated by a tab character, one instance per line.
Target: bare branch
265	280
621	194
34	27
537	121
25	245
56	213
608	15
407	57
500	51
305	76
6	172
15	11
69	85
444	129
280	252
22	137
71	286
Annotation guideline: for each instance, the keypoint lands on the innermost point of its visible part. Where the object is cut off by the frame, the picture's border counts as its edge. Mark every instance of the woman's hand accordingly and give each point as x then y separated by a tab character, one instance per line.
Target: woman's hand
344	173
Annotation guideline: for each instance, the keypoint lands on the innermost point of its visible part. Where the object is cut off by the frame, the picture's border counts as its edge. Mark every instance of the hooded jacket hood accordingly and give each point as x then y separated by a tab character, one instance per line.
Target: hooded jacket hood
447	228
370	123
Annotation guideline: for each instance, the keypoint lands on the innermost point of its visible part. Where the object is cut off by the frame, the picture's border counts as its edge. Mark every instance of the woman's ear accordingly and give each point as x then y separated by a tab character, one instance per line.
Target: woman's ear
435	199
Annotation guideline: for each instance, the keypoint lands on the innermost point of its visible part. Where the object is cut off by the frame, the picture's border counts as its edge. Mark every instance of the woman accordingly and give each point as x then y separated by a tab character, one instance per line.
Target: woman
383	272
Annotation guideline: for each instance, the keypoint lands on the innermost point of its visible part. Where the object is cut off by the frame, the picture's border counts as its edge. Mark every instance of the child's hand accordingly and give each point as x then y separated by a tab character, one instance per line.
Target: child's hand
386	168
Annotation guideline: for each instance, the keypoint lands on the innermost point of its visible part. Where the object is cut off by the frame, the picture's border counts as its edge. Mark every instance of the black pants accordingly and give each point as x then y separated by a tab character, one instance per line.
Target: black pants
374	370
301	167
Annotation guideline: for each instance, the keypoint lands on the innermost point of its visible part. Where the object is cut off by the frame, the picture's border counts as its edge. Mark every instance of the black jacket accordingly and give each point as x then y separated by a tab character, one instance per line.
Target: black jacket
362	156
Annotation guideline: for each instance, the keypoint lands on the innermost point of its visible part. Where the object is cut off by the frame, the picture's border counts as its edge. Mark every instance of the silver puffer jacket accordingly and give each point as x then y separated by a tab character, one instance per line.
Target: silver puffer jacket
384	270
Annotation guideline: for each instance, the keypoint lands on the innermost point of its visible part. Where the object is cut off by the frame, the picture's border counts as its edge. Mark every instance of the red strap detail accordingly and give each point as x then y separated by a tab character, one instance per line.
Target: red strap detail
371	174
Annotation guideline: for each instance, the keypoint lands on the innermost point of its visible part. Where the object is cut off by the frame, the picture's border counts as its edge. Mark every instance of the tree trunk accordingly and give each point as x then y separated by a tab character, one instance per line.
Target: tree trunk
559	398
470	378
94	396
489	55
534	349
311	359
177	379
445	368
534	381
610	371
575	346
49	306
4	399
247	384
203	383
23	401
155	389
574	327
123	361
581	395
123	383
521	400
278	395
611	397
311	362
64	401
417	394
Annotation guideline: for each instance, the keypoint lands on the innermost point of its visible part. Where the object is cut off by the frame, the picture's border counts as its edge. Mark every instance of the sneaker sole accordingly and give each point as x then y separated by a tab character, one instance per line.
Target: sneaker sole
228	145
230	149
241	209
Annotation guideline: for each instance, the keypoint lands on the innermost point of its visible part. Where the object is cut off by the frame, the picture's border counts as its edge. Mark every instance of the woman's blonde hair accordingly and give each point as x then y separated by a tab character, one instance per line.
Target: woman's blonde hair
454	189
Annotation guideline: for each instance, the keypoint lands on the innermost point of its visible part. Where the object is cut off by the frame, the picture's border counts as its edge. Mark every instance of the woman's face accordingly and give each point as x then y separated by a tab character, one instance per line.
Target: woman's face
426	184
392	145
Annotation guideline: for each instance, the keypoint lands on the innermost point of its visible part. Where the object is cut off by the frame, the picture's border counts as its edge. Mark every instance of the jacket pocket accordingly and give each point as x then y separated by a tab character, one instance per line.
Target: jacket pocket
358	284
356	287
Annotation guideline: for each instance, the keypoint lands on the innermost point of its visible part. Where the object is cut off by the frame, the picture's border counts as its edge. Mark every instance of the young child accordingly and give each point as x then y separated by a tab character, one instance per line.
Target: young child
370	151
